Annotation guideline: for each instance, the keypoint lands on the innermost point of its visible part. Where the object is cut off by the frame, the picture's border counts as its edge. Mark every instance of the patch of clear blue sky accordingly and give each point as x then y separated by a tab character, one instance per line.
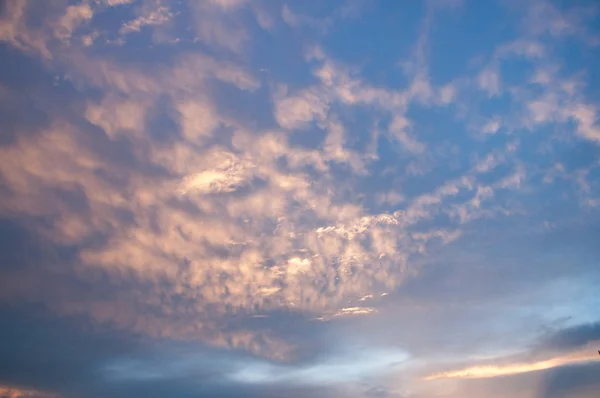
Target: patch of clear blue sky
462	36
384	35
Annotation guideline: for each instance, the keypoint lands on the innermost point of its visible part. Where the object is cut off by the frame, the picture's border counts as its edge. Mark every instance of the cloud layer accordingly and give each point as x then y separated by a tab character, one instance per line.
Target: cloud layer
283	186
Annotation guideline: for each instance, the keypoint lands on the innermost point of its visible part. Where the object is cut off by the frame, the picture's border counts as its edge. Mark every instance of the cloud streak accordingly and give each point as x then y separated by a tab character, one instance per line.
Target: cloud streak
487	371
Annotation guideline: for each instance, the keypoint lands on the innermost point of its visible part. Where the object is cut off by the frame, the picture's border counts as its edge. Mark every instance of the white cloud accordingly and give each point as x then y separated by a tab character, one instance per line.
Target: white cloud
228	4
117	117
198	119
392	198
544	109
586	118
514	180
447	93
149	17
114	3
398	130
492	126
543	18
74	16
354	311
296	111
298	265
489	81
226	174
526	48
334	147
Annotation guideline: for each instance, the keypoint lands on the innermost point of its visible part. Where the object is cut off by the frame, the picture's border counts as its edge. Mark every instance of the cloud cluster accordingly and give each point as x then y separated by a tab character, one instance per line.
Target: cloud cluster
247	223
219	224
200	197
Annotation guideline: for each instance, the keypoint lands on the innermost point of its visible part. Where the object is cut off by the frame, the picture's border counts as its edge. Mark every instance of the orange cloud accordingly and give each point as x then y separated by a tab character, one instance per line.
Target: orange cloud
488	371
14	392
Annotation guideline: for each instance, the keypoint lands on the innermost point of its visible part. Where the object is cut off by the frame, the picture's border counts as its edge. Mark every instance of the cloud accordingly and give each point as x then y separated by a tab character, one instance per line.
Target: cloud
575	380
13	29
489	81
345	367
484	371
322	25
220	24
226	176
296	20
9	392
117	117
74	16
114	3
173	196
157	16
354	311
544	17
168	242
586	118
296	111
447	93
491	127
530	49
572	337
398	128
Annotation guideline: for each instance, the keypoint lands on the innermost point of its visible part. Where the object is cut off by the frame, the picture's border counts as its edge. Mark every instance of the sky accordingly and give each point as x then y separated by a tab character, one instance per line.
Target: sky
285	199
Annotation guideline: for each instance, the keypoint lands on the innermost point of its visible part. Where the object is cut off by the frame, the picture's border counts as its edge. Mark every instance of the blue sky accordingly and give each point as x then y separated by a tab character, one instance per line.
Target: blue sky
300	199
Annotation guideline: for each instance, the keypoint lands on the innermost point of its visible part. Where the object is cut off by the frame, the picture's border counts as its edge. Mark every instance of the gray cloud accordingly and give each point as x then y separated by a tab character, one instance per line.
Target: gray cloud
568	381
572	337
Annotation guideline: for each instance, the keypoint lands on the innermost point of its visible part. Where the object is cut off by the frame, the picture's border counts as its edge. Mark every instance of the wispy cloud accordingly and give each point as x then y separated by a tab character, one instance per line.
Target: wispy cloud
157	16
486	371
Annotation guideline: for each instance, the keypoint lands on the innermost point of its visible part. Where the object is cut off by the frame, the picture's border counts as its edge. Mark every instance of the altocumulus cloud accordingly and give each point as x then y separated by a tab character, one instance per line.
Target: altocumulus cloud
234	195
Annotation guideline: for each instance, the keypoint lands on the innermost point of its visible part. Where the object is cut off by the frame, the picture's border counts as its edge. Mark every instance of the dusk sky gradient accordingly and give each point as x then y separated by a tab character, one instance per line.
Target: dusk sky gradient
336	198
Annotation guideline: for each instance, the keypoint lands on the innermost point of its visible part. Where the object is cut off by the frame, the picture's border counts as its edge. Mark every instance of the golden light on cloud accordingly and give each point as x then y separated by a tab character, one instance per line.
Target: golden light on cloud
14	392
355	311
488	371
